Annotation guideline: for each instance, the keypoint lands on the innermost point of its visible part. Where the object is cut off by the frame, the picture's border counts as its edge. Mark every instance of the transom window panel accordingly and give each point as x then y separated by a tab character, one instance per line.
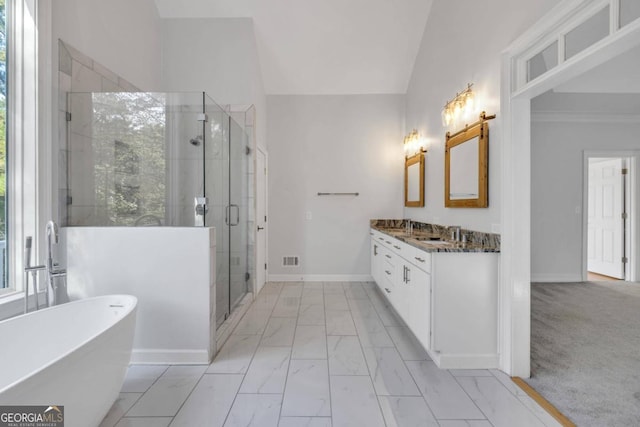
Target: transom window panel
543	61
629	11
587	33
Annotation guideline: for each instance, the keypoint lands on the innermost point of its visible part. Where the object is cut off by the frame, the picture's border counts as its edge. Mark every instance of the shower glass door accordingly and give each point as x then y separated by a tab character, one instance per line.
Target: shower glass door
226	162
238	212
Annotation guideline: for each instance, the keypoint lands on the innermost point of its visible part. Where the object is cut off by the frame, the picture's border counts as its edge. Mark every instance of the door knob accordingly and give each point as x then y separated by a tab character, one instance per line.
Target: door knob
260	228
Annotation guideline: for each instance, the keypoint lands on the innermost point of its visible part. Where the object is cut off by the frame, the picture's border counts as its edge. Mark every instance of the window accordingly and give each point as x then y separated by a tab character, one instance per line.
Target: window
22	161
3	145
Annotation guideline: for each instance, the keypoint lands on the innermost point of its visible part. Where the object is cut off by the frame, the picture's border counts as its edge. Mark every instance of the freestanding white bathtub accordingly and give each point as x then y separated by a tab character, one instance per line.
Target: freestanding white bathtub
74	354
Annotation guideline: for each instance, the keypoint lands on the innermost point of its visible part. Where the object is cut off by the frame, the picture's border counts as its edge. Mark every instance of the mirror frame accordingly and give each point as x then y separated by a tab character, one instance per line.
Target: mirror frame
479	129
409	161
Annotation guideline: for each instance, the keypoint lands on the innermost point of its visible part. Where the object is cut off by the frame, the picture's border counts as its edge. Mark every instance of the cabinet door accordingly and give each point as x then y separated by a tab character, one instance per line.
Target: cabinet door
417	288
376	260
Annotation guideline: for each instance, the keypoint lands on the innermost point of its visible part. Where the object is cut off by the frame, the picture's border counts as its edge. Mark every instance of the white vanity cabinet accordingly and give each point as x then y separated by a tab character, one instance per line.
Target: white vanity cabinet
447	299
415	308
406	285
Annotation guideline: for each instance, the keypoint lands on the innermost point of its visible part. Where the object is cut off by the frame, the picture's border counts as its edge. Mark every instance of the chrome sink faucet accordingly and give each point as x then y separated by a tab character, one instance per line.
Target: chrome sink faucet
455	232
408	227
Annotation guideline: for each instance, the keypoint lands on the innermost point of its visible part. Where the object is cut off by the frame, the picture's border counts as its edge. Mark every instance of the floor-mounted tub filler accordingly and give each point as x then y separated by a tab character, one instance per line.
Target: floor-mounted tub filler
73	355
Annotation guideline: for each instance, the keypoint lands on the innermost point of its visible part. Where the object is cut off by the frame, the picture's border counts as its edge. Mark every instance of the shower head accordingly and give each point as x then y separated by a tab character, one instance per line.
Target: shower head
196	141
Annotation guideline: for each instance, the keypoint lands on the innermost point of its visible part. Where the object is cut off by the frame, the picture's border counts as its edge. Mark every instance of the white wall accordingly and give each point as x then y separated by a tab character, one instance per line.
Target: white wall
462	44
557	190
331	144
218	56
122	35
172	273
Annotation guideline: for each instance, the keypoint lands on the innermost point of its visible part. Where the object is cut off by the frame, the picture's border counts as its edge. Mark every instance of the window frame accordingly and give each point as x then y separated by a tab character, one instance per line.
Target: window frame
28	190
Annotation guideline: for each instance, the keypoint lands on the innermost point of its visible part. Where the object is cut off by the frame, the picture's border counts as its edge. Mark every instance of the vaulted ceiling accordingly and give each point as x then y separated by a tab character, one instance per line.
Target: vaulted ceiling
325	47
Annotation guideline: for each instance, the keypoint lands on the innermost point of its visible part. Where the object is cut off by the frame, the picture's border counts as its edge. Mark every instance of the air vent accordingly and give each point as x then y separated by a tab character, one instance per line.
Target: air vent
290	261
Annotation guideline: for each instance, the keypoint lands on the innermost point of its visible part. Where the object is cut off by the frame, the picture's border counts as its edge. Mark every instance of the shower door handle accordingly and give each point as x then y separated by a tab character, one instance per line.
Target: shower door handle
228	215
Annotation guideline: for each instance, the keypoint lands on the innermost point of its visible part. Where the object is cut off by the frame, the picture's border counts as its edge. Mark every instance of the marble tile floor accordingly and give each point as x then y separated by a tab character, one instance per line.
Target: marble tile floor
321	355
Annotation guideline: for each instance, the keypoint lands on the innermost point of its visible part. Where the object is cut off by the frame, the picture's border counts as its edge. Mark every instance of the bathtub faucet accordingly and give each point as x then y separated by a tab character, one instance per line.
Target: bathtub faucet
59	288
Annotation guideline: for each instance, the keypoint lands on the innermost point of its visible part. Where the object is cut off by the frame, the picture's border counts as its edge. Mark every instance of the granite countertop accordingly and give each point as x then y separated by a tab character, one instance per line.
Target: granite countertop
434	242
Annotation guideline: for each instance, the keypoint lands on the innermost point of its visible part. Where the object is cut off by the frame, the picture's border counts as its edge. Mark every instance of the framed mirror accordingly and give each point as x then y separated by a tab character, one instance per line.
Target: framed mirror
466	183
414	181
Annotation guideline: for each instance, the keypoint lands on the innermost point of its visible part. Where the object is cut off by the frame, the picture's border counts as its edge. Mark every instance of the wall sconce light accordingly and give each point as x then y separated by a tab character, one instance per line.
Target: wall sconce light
463	104
414	144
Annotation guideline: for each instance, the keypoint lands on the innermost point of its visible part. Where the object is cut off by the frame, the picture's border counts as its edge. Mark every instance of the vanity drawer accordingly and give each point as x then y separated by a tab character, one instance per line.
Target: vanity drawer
380	238
401	249
420	259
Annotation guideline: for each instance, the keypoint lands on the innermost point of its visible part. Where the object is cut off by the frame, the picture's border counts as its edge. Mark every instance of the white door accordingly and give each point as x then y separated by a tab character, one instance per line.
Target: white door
261	219
605	223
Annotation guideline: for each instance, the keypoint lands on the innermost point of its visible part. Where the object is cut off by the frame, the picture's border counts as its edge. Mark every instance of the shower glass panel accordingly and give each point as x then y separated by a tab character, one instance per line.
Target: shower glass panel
142	159
226	177
239	153
133	159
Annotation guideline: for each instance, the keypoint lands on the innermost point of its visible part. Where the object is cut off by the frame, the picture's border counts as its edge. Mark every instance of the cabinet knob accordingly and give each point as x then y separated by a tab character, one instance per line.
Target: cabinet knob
388	256
419	259
397	247
388	272
387	289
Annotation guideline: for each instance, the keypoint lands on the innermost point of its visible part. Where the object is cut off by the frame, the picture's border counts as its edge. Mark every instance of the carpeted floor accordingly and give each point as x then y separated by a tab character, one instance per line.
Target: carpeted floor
585	350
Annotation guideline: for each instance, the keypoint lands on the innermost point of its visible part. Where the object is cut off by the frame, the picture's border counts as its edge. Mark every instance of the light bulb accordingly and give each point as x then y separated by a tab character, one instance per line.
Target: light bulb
457	109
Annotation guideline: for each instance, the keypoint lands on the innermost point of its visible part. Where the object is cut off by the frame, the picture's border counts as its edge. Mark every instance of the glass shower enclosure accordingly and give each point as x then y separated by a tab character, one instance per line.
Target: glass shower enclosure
162	159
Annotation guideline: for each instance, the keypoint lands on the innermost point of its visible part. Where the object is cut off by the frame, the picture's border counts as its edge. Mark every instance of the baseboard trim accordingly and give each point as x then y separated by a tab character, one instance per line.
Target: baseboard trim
465	361
169	357
320	278
556	278
544	403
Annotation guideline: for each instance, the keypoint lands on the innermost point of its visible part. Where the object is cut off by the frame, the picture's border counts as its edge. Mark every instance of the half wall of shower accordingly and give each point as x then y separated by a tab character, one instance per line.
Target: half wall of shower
168	160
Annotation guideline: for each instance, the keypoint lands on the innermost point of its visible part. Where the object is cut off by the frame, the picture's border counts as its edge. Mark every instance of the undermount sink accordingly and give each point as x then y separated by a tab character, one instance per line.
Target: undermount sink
429	239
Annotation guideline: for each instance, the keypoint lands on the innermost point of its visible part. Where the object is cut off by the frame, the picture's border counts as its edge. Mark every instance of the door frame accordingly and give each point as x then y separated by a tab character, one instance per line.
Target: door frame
631	234
515	113
265	153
